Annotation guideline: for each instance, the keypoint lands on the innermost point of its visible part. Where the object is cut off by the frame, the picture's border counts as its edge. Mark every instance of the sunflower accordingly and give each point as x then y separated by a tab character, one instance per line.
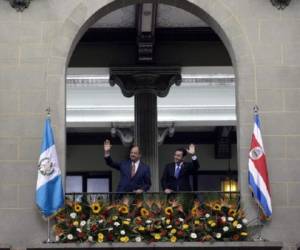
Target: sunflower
217	207
169	211
124	239
96	207
144	212
123	209
173	239
77	208
100	237
232	212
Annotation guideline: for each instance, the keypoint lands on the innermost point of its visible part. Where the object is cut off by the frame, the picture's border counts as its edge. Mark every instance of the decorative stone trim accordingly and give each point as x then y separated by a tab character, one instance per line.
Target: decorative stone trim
270	245
19	5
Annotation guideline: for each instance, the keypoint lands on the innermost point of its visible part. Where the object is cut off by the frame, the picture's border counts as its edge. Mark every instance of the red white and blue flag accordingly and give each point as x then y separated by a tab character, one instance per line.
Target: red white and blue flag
258	172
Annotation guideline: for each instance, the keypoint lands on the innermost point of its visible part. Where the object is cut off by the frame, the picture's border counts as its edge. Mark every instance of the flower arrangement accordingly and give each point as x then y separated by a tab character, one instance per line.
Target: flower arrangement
150	220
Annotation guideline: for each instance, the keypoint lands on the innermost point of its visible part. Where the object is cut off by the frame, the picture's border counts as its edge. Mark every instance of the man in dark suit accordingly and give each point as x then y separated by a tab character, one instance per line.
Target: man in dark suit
135	175
176	176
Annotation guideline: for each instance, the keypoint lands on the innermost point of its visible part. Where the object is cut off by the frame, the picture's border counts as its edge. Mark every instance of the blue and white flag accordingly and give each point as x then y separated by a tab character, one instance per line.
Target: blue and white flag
49	190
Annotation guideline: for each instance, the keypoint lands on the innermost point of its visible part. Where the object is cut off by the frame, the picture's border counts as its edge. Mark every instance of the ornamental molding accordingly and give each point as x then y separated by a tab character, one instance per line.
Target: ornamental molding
19	5
214	80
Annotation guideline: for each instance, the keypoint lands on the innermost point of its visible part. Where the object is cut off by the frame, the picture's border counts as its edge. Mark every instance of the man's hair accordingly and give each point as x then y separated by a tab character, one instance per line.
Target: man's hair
134	146
183	150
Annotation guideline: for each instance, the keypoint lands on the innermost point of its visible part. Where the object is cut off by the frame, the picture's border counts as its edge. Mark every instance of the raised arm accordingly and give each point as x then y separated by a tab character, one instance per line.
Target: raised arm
192	151
108	160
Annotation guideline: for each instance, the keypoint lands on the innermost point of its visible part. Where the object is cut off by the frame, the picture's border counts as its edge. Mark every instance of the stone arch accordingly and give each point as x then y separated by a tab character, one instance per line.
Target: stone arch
216	13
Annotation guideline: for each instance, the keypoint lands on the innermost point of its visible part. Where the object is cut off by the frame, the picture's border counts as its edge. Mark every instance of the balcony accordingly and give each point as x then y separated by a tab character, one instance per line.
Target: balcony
186	220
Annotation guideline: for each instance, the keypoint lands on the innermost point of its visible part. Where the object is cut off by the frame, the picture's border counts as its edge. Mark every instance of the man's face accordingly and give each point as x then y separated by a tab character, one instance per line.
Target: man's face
135	154
178	156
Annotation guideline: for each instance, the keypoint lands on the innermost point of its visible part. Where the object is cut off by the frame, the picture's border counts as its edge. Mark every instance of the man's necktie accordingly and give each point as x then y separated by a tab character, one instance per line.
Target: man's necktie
177	171
132	169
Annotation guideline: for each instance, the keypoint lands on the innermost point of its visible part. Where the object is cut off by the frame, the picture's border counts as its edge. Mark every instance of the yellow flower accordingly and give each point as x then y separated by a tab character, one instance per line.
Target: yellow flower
124	239
114	217
157	236
173	239
244	234
96	208
141	228
126	222
100	237
196	222
168	221
173	231
235	223
75	223
217	207
232	212
211	223
123	209
185	226
194	211
168	210
144	212
77	208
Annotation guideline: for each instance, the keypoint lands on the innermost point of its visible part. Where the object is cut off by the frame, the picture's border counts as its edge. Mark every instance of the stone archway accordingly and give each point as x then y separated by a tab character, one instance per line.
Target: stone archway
216	13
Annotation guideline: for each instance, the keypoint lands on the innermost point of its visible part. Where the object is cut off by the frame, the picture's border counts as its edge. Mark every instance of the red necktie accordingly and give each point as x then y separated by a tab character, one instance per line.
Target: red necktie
132	169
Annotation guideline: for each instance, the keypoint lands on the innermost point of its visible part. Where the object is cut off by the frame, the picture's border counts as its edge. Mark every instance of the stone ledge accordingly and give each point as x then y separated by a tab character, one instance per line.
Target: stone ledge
165	245
4	247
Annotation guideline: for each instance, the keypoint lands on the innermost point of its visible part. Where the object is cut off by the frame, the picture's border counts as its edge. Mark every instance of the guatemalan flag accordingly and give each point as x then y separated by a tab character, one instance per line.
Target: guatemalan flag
49	190
258	172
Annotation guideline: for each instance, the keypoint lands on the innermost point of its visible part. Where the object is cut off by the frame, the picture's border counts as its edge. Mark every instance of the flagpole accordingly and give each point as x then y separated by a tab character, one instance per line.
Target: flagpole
48	239
48	111
259	236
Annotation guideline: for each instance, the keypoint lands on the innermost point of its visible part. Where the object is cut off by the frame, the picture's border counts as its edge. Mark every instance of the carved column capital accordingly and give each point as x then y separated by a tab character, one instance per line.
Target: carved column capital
134	80
19	5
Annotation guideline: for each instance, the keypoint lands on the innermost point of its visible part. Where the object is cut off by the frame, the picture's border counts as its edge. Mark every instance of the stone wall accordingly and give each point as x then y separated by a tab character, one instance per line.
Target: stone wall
35	47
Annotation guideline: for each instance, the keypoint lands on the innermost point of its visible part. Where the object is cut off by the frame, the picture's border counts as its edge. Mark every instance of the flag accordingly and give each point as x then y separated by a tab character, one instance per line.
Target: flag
49	191
258	173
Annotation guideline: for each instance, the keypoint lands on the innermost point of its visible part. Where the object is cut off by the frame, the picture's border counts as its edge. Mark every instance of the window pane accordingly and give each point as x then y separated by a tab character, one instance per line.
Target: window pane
98	185
74	184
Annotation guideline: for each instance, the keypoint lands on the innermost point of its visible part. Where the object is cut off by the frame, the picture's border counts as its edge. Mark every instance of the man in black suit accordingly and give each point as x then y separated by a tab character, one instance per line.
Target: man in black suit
176	176
135	175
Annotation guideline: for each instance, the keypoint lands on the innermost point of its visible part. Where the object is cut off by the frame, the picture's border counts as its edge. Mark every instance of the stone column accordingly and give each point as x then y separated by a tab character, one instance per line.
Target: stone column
145	132
145	84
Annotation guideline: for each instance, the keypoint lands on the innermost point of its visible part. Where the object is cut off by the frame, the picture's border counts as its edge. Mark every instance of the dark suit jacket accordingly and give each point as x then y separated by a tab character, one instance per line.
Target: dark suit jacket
168	179
141	180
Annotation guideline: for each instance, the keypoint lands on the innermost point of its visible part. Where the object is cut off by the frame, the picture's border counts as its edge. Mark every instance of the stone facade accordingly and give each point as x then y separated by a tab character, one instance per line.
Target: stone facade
35	47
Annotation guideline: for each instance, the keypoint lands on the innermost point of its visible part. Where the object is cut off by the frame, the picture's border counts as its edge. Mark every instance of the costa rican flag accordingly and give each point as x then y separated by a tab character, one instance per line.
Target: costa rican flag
258	172
49	190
